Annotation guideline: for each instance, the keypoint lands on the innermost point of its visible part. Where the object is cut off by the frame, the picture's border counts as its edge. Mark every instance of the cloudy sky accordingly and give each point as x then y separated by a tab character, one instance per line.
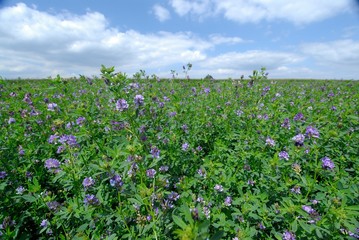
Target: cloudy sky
224	38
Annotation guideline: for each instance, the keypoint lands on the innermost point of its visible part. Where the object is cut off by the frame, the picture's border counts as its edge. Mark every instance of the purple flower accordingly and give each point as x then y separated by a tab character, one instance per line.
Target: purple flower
51	106
206	212
239	112
173	196
298	117
20	190
44	223
121	105
91	199
88	182
155	152
151	173
251	182
172	114
311	132
11	120
53	205
286	123
53	138
116	181
164	168
80	121
139	99
296	190
21	151
69	140
270	142
69	125
201	172
287	235
308	209
298	139
261	226
60	149
185	128
207	90
185	146
327	163
52	163
3	174
228	201
218	188
283	155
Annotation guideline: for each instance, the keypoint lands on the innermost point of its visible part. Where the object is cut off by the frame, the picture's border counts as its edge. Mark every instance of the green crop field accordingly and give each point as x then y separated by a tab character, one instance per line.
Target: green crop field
114	157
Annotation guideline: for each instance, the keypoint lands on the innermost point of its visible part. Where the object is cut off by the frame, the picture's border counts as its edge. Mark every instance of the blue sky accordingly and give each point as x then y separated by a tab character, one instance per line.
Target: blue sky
223	38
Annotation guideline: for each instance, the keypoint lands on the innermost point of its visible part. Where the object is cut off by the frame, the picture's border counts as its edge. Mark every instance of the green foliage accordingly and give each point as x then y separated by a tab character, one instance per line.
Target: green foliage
219	172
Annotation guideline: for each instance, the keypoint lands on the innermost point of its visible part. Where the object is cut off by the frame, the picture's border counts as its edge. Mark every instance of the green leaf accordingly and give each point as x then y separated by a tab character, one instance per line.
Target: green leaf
294	226
83	227
29	198
305	226
319	234
217	235
3	186
179	222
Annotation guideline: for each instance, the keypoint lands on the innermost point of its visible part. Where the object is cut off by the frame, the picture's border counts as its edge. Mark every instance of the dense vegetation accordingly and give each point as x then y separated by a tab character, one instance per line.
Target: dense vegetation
120	158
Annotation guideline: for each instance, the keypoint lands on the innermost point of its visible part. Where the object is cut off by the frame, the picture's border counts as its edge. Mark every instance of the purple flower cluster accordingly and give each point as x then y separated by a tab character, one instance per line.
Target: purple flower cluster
139	100
44	223
11	120
151	173
185	146
287	235
299	117
3	174
69	140
270	142
51	107
88	182
296	190
53	205
311	132
298	139
228	201
283	155
80	121
327	163
20	190
164	168
218	188
308	209
121	105
91	199
155	152
116	181
52	165
286	123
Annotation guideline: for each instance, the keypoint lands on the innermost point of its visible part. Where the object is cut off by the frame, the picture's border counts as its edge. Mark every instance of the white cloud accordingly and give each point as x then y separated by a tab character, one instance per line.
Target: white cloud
38	44
250	60
252	11
161	13
194	7
219	39
341	52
